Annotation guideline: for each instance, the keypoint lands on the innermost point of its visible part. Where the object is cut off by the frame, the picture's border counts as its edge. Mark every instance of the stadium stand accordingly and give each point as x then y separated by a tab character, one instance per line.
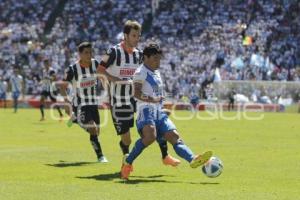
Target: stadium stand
203	41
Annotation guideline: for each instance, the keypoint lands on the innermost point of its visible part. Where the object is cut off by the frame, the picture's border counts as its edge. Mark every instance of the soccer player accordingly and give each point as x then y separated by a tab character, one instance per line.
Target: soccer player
152	123
119	65
48	90
3	91
231	99
83	77
17	87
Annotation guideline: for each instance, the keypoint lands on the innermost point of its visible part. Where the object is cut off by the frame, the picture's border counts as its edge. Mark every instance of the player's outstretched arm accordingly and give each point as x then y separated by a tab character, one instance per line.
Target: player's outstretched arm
105	63
63	90
101	70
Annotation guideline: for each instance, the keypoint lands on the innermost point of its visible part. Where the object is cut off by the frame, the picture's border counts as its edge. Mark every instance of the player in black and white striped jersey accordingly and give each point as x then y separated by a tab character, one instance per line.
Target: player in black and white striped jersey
48	90
119	65
83	77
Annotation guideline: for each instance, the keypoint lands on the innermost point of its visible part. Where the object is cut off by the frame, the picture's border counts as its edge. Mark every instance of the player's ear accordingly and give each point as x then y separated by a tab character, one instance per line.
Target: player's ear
125	36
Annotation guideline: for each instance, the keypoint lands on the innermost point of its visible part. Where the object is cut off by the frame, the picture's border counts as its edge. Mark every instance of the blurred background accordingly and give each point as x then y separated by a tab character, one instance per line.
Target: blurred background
250	47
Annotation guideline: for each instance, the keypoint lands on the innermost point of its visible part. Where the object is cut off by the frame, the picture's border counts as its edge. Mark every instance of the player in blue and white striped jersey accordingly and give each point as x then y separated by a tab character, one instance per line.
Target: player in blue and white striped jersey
152	122
3	90
119	65
17	87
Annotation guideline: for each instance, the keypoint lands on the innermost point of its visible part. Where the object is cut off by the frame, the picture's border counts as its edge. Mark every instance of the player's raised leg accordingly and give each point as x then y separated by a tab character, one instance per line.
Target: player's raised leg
166	158
184	151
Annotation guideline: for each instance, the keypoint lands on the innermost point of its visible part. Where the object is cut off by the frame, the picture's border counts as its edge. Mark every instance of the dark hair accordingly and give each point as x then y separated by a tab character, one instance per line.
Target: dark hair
129	24
84	45
152	49
46	60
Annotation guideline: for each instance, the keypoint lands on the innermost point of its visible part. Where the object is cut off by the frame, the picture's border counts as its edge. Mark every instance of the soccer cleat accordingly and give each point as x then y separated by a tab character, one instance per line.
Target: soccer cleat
124	160
102	159
42	119
125	170
200	159
69	122
169	160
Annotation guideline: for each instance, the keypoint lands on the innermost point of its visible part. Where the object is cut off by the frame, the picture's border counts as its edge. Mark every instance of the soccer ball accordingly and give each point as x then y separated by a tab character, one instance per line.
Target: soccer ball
213	167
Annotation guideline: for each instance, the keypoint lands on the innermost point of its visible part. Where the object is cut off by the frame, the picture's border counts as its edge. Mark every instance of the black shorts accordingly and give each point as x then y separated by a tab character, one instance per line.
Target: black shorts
123	118
85	114
47	94
231	100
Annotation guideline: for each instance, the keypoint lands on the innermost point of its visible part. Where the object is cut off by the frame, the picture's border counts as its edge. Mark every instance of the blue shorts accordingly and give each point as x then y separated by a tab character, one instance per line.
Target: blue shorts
15	95
159	119
3	96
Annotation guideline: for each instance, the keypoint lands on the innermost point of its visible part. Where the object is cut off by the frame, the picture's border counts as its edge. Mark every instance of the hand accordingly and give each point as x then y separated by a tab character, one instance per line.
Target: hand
167	111
101	69
125	82
129	82
68	108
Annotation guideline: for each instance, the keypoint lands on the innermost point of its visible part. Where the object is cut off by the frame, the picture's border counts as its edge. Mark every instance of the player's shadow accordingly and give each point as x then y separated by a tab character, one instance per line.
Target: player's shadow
133	181
138	179
146	179
69	164
151	180
153	176
102	177
116	175
207	183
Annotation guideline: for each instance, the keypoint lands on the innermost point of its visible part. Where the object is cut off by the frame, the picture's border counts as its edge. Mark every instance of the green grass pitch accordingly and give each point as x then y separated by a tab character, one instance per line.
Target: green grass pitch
48	160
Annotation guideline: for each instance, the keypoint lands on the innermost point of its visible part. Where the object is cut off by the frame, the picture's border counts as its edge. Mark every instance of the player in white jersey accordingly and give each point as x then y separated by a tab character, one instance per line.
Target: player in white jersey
17	87
3	91
119	65
48	90
152	122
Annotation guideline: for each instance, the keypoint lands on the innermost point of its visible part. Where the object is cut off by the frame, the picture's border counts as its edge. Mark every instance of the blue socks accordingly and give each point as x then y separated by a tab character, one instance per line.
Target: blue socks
136	151
180	148
183	151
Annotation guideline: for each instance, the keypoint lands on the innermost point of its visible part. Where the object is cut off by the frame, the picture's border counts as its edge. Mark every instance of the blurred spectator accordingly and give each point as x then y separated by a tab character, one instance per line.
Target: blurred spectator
197	37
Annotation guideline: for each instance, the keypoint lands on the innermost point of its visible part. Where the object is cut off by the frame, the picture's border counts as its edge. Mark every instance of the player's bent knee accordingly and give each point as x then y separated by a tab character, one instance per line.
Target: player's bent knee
92	128
149	134
149	140
172	137
93	131
126	139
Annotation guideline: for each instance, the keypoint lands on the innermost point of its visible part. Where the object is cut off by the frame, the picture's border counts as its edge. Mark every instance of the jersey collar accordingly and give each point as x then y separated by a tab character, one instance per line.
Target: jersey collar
128	50
149	68
83	66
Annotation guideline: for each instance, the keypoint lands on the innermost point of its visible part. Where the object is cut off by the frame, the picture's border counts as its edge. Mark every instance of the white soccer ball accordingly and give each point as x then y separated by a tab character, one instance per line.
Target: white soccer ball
213	167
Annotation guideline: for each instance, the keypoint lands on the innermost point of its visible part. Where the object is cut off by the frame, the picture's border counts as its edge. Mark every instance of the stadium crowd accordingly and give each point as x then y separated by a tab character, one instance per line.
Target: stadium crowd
203	41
